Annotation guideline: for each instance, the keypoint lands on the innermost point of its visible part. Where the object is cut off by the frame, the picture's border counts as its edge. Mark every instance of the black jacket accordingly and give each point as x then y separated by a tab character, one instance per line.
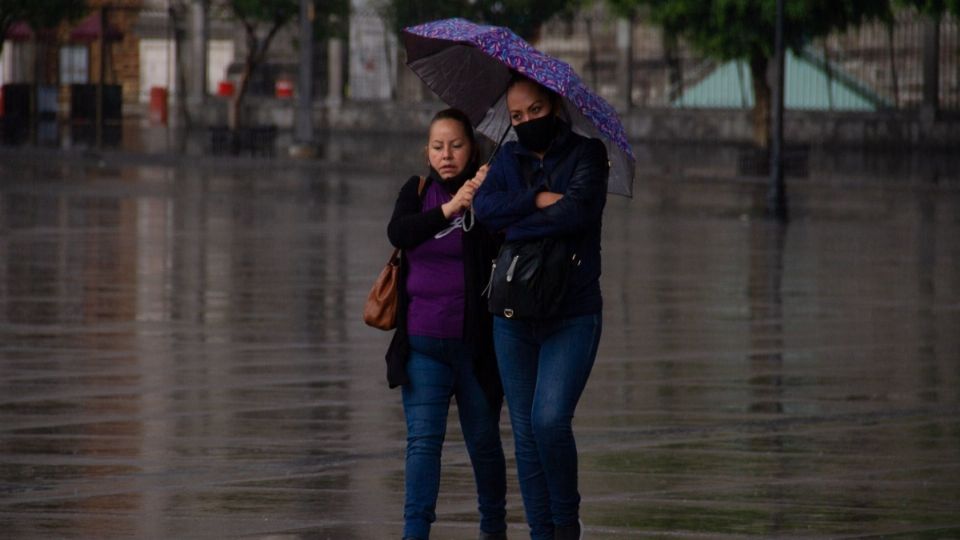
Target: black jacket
409	227
578	168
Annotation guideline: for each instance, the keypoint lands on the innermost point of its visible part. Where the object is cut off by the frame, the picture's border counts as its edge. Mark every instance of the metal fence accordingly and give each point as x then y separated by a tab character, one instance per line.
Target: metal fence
889	59
875	66
883	62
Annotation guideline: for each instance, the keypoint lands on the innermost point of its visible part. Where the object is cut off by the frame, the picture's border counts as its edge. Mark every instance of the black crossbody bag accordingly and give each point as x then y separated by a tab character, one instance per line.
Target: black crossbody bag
529	278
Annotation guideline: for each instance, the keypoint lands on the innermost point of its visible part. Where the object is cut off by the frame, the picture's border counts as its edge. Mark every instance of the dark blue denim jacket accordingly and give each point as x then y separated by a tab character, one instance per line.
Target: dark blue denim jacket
577	168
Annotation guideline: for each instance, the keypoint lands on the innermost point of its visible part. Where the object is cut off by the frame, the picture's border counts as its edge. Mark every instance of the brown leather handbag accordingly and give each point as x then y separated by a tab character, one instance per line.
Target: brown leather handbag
380	310
383	301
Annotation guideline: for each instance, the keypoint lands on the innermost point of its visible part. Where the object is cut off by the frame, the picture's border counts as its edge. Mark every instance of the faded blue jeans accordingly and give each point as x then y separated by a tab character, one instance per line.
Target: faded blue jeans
544	366
440	369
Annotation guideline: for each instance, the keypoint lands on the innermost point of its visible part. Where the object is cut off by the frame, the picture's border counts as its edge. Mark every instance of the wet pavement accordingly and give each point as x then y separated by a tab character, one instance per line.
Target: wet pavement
182	356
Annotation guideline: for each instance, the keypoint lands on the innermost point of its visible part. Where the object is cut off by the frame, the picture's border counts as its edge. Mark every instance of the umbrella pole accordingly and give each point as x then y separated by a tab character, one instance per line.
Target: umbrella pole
468	215
499	143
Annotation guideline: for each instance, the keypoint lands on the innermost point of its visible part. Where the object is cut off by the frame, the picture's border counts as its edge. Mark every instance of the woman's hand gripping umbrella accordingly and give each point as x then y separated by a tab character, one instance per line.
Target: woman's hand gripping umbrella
470	65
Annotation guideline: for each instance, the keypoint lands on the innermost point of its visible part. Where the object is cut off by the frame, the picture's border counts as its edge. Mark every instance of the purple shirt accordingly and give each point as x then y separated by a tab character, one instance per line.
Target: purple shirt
435	280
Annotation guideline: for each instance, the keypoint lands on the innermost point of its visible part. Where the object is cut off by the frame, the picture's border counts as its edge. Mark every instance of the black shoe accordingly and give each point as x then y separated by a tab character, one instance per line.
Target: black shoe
493	536
569	532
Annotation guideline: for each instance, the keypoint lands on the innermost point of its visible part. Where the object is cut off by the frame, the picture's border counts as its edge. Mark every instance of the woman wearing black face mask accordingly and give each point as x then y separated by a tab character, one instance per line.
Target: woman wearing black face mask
550	183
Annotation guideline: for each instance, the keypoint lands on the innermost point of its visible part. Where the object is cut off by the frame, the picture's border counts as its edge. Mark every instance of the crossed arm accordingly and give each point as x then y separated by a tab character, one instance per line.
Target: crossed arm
534	213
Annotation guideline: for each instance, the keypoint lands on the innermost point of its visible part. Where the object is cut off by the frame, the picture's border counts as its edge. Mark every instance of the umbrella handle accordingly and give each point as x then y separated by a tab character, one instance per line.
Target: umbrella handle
500	142
469	212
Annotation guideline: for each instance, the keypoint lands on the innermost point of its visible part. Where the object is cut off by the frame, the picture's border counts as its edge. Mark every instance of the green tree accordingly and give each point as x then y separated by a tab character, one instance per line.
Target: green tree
262	20
525	17
403	13
330	19
933	11
39	14
935	8
744	29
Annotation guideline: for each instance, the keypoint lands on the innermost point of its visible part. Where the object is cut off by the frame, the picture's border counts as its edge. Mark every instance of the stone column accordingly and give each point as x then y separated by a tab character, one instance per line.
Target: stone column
199	35
409	86
931	66
303	120
373	54
334	72
625	61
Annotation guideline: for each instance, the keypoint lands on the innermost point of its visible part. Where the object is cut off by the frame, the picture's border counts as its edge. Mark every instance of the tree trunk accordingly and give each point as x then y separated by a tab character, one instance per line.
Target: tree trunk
625	41
179	34
828	69
235	113
892	53
591	54
256	53
931	62
761	102
35	89
674	69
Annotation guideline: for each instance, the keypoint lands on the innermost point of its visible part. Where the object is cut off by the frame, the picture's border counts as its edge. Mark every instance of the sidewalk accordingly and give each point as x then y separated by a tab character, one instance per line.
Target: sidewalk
182	357
145	142
690	176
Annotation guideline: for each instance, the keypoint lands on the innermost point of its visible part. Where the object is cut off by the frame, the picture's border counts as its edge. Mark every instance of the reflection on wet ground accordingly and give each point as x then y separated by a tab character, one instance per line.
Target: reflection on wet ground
181	356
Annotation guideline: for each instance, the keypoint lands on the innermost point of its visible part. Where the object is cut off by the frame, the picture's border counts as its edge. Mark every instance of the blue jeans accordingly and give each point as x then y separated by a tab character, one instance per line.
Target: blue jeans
439	369
544	366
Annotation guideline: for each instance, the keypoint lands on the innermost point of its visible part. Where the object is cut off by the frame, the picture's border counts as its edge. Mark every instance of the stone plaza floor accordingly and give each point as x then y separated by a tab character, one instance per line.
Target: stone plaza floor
182	356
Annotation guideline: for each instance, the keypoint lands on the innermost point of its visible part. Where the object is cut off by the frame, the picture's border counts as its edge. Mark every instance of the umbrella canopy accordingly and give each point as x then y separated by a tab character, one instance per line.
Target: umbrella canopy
89	29
469	66
19	31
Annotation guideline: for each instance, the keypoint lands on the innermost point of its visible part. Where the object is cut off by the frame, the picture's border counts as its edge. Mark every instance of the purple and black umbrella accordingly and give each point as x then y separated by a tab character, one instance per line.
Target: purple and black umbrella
469	65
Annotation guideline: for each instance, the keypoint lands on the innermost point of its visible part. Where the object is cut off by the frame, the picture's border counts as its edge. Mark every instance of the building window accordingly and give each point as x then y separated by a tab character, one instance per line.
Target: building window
74	64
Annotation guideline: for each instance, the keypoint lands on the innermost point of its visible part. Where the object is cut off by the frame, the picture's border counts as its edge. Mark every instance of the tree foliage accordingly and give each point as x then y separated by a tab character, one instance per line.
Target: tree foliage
744	30
39	14
331	18
522	16
935	8
262	20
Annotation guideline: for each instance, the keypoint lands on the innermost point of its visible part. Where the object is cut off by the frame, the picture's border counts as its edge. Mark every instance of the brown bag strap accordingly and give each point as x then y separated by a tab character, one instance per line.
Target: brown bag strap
423	182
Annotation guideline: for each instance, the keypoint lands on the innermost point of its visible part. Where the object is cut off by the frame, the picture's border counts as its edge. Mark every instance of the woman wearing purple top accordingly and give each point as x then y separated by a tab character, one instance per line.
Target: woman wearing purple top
443	346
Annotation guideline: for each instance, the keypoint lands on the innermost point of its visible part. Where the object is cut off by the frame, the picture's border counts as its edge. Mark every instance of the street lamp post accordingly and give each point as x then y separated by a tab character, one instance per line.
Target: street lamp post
776	194
303	120
98	110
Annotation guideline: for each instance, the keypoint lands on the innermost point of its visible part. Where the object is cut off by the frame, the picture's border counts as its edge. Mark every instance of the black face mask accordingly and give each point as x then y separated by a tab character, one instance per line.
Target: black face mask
537	134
